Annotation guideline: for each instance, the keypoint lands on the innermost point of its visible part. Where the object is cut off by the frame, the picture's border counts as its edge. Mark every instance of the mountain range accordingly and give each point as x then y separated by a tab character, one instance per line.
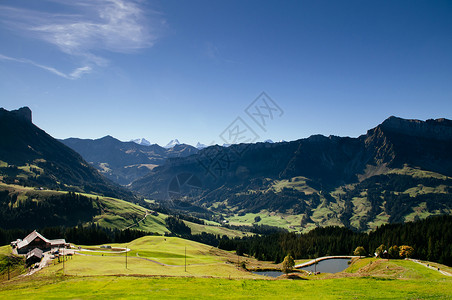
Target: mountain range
124	162
398	171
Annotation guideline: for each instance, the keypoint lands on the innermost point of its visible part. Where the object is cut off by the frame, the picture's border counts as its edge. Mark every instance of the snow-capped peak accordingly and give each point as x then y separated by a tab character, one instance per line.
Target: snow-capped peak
172	143
268	141
143	142
200	146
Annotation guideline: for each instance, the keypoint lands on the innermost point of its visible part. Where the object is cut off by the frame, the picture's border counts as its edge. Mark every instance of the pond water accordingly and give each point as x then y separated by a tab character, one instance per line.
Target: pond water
333	265
269	273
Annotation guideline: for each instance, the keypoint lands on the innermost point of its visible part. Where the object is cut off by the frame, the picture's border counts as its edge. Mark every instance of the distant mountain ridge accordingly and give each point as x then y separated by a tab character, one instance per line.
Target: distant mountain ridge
124	162
31	157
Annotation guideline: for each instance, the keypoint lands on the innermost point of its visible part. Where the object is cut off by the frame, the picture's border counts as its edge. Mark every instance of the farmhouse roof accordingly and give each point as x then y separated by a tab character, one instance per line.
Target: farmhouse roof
35	252
33	235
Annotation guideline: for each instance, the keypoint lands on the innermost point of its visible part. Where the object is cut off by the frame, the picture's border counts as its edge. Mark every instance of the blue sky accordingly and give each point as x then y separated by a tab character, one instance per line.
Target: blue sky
188	69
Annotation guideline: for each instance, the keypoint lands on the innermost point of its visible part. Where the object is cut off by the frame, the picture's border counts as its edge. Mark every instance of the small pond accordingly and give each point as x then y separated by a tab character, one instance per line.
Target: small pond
333	265
269	273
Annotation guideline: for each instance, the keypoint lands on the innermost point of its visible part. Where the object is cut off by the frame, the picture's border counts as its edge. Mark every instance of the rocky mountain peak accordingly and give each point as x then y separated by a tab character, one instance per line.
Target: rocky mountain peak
23	112
440	129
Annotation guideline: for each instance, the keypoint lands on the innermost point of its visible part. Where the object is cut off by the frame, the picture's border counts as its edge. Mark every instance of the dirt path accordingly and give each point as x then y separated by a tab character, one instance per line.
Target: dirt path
154	261
45	261
430	267
135	224
101	251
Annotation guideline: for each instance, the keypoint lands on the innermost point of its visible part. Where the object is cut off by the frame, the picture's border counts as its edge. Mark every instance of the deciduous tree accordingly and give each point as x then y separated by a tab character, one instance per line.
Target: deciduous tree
288	264
406	251
360	251
394	251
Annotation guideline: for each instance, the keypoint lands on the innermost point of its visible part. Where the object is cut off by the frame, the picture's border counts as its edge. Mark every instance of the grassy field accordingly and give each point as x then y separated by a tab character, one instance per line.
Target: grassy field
156	269
5	250
102	287
298	183
120	214
272	219
322	215
424	285
217	230
417	173
156	256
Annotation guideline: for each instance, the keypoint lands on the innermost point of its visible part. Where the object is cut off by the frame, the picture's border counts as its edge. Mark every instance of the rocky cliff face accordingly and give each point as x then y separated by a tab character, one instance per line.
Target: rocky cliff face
440	129
23	113
423	144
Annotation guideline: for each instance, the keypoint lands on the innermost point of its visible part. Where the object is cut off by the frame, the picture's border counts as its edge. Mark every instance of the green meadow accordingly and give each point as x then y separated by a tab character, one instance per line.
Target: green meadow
57	286
156	256
119	214
170	267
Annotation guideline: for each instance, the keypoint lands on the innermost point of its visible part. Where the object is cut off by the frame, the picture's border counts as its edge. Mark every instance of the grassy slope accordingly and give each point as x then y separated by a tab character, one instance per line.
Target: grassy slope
327	214
120	214
169	252
366	278
5	250
215	229
16	268
115	213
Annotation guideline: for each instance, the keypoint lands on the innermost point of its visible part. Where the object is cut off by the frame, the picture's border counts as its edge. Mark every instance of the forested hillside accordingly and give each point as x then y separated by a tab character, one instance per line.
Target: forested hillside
430	239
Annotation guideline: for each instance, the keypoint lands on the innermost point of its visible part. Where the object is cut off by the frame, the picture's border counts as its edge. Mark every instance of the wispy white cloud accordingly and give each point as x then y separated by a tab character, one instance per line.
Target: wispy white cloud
93	26
77	73
213	53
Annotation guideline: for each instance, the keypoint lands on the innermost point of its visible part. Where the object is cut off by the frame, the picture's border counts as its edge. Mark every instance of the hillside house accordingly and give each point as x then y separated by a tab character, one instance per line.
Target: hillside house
36	240
34	256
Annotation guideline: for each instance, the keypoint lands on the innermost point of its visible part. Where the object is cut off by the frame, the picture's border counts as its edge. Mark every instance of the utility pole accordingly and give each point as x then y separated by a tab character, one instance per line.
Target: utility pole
185	258
63	261
315	266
